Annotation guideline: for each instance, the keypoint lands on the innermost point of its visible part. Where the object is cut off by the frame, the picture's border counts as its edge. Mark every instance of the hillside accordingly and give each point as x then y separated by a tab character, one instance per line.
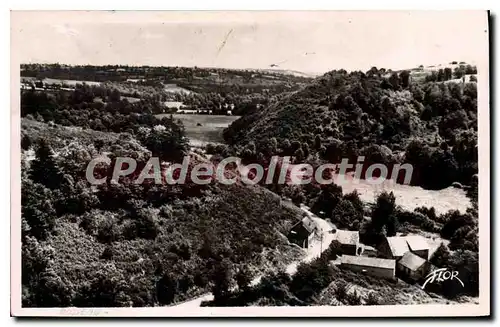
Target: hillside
133	245
386	116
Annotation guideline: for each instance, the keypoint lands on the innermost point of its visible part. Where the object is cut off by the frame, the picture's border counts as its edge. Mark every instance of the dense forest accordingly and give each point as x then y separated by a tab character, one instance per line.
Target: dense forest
388	118
127	244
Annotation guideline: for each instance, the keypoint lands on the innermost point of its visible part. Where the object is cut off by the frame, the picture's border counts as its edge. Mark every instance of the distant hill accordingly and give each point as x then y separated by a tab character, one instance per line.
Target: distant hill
290	72
386	116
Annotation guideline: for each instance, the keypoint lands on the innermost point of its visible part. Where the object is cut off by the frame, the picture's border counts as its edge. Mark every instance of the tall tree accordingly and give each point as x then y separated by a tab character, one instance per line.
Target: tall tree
383	212
44	169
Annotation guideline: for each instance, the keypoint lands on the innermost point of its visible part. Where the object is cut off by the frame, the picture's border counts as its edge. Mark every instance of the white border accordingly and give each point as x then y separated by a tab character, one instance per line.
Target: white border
345	311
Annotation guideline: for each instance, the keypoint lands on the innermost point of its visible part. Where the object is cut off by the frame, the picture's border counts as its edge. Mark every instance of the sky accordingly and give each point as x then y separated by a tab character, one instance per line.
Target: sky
311	42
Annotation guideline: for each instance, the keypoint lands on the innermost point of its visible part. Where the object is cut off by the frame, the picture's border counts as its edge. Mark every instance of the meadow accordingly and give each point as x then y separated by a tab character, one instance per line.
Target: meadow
203	129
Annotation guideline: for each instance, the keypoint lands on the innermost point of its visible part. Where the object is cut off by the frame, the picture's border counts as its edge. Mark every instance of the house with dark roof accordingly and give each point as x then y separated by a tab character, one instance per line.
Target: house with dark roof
349	241
412	266
302	232
377	267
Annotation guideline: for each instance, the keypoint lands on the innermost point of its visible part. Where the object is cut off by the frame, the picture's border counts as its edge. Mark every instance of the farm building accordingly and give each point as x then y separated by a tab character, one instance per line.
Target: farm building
349	241
395	247
412	266
418	245
187	111
173	104
384	268
302	232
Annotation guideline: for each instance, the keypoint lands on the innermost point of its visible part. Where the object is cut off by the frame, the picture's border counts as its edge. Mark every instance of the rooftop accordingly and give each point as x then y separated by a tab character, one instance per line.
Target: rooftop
398	245
411	261
309	224
417	243
347	236
173	104
369	262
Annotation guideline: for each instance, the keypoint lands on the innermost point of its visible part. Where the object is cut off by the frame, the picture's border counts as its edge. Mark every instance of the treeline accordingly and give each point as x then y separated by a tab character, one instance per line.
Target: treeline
121	73
386	118
445	74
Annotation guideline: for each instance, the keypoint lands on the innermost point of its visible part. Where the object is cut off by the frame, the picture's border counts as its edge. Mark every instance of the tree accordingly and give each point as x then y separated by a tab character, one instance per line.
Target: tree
328	199
404	76
334	250
383	211
441	256
447	74
166	289
440	75
310	279
354	198
299	155
372	299
37	209
341	290
243	278
44	169
26	142
353	298
394	81
317	142
222	280
345	215
169	142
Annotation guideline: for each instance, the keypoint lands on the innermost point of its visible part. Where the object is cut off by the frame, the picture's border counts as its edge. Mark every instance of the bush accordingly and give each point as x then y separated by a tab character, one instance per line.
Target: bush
372	299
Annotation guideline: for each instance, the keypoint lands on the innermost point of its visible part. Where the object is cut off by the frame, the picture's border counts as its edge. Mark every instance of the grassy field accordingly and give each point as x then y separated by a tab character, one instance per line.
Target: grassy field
203	129
173	88
411	197
57	81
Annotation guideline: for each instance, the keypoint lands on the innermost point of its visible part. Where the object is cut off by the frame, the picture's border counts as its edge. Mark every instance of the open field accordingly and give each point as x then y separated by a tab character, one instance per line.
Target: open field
411	197
60	81
210	130
173	88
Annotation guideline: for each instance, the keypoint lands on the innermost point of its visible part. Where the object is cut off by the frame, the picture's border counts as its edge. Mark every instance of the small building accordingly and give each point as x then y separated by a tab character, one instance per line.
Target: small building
413	267
174	105
418	245
187	111
302	232
377	267
349	241
393	247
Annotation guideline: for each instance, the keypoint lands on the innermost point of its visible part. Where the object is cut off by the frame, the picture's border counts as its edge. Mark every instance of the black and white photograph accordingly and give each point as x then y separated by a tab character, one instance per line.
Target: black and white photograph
264	163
